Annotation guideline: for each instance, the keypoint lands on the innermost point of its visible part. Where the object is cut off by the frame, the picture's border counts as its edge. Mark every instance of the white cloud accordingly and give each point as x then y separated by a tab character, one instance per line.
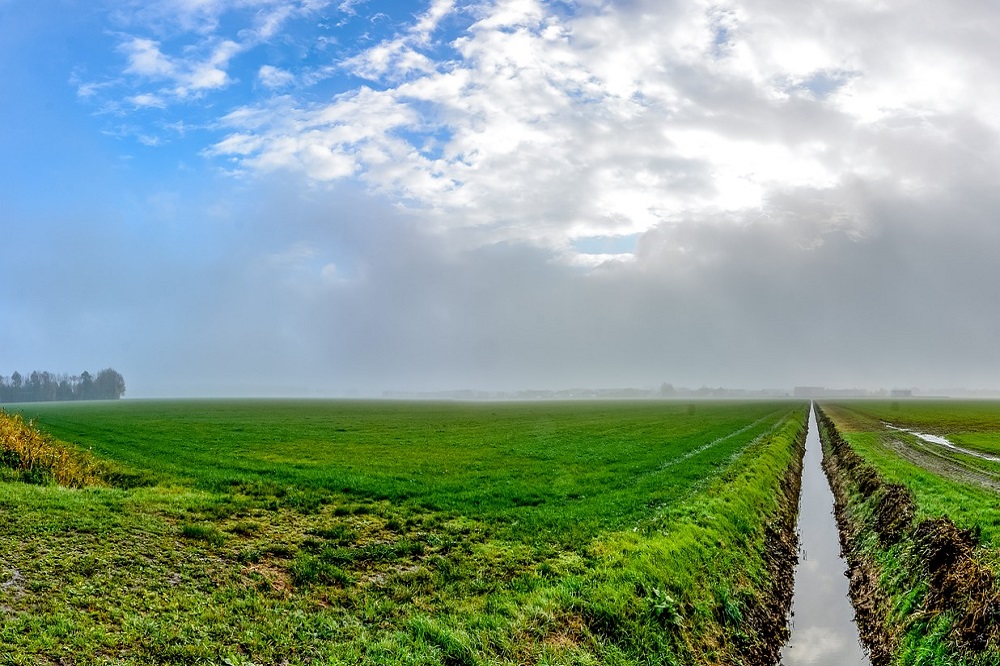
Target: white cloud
274	77
149	140
544	123
147	100
146	59
349	6
428	22
200	55
181	76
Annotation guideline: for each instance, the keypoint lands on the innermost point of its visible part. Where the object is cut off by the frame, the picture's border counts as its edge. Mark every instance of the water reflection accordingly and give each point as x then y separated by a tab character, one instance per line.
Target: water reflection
823	629
943	441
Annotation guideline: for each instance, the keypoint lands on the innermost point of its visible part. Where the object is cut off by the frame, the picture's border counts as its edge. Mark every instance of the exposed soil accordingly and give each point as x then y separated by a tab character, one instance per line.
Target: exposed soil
939	461
893	512
12	585
957	581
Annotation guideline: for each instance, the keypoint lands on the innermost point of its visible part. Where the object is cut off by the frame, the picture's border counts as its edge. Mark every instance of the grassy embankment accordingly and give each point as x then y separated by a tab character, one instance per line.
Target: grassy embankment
923	524
320	532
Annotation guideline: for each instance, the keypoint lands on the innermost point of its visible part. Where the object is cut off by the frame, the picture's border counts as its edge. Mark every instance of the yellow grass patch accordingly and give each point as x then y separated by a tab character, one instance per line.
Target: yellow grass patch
41	459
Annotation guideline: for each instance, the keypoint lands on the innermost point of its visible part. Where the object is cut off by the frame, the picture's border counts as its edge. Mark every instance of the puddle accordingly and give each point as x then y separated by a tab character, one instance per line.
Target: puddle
822	623
943	441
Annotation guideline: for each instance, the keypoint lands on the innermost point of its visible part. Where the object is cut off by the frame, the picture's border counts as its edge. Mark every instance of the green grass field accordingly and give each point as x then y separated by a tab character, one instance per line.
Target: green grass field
379	532
943	483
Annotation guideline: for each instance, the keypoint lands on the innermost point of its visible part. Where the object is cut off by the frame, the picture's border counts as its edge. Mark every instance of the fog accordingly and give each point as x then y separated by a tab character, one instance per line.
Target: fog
786	196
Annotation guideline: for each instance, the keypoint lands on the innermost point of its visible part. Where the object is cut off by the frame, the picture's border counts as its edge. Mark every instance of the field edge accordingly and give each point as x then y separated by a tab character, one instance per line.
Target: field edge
922	593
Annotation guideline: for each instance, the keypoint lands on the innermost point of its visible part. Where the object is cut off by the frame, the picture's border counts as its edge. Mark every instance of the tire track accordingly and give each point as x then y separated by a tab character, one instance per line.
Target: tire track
687	455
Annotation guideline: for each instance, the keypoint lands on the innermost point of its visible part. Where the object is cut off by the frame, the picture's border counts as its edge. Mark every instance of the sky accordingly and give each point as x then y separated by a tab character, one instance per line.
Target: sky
278	197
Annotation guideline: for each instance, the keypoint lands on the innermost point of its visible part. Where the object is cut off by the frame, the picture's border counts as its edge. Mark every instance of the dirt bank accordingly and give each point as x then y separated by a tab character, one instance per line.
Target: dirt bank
842	466
940	558
768	619
771	621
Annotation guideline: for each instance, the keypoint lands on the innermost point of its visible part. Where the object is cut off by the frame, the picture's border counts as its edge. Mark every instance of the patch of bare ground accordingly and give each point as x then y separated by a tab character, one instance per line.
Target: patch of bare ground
945	556
958	581
270	576
11	586
563	633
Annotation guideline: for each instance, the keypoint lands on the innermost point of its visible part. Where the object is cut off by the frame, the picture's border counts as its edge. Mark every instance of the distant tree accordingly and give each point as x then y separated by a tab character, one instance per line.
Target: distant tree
46	386
34	387
85	389
109	385
64	391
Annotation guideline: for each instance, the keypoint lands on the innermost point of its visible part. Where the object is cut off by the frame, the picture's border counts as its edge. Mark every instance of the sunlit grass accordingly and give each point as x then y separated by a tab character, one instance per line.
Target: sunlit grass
36	458
940	488
969	505
398	533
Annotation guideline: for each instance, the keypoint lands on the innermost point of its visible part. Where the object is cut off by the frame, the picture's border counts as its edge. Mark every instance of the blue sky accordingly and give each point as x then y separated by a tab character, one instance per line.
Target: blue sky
267	197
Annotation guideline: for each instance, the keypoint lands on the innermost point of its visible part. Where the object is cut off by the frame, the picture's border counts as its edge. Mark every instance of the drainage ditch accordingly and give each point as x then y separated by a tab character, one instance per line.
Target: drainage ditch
823	630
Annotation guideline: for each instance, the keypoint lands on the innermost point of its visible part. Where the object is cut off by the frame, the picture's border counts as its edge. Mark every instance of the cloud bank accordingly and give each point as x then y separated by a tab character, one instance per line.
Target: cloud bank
518	193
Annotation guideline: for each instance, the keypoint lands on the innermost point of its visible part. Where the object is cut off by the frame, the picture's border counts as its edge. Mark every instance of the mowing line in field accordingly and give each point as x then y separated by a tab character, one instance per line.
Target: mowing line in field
718	440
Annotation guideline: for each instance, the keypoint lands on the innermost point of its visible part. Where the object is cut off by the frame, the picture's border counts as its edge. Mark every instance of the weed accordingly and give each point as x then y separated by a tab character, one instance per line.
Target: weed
339	534
39	459
665	609
203	532
308	569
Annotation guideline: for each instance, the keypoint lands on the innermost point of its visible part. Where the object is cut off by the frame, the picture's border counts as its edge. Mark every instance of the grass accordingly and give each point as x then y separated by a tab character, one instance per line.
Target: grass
936	494
945	486
28	455
354	532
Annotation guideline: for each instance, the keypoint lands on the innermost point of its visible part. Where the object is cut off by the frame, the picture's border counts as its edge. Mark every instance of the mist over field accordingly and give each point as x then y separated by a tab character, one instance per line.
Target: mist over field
302	197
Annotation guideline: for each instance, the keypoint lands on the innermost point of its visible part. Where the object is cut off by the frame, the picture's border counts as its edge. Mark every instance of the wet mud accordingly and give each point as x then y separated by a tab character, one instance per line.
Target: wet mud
944	442
933	459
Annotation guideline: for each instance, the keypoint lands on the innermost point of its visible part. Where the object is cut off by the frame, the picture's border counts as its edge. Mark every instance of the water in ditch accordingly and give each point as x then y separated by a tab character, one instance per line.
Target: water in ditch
822	623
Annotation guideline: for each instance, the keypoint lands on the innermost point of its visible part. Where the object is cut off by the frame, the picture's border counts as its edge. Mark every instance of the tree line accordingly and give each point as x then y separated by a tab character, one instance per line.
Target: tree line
47	387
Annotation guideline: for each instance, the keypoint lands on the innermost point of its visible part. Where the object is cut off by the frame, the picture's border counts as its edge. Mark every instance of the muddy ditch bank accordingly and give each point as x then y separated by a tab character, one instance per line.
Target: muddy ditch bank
939	570
768	621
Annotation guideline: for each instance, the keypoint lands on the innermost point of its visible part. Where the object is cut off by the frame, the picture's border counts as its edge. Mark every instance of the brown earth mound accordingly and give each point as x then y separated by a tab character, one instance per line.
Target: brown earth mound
958	581
893	513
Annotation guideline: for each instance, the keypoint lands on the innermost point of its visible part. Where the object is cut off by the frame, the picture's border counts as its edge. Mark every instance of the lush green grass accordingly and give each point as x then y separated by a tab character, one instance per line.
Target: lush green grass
356	532
934	416
973	424
969	505
571	468
942	484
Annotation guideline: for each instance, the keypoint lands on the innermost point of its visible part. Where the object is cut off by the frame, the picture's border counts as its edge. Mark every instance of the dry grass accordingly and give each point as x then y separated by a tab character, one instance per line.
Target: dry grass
38	458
